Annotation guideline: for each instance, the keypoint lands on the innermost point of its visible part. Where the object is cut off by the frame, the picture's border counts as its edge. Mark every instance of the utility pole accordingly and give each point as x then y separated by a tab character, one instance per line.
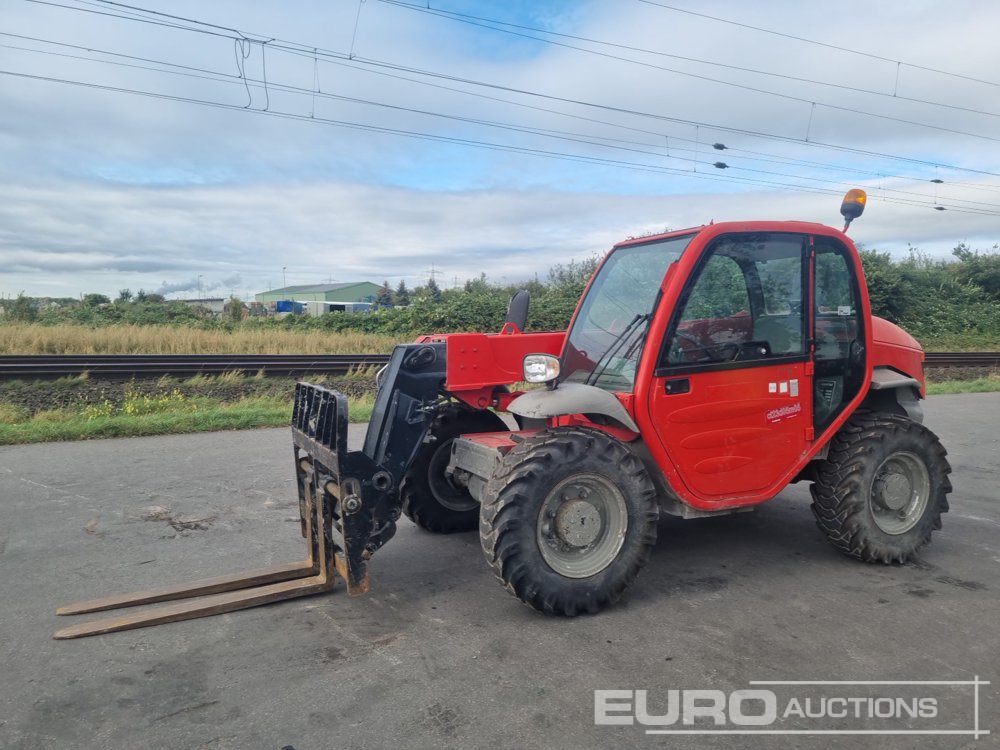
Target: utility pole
434	272
284	281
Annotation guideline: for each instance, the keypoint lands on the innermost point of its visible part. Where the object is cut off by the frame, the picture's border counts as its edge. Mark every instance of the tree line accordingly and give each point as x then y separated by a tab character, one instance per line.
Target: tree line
934	299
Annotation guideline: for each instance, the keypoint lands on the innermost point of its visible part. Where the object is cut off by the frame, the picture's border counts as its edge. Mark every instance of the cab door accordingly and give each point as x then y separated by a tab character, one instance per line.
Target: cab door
732	393
840	349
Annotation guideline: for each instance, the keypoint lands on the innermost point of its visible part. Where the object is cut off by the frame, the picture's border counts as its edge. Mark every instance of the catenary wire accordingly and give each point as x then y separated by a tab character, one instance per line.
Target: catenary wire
839	48
482	144
494	24
722	82
585	139
312	52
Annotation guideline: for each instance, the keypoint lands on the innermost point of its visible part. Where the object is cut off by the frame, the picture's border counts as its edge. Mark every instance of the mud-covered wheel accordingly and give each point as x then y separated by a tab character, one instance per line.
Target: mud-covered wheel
882	489
429	497
568	520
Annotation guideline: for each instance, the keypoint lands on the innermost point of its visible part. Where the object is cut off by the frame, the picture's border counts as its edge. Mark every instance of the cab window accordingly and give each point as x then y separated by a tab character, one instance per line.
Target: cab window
744	302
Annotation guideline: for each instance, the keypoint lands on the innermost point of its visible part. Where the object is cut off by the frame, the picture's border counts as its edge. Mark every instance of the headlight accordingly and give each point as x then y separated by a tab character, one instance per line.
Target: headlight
541	368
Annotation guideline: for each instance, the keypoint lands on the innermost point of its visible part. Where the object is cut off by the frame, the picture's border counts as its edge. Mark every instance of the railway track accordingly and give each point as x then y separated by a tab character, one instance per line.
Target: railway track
962	359
127	366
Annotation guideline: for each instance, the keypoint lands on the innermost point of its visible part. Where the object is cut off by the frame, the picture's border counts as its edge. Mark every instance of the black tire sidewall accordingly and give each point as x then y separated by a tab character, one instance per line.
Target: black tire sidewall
514	514
419	500
915	441
842	492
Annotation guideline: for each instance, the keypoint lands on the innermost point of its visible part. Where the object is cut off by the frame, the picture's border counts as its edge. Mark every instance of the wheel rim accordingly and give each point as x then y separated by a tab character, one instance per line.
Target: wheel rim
900	492
581	525
445	492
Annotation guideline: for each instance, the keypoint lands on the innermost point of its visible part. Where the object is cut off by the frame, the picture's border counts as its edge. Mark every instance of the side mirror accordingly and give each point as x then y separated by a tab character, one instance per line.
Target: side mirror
517	311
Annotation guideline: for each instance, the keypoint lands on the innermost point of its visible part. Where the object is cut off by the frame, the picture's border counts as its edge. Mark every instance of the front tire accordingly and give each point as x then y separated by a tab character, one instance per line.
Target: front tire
882	489
428	496
568	520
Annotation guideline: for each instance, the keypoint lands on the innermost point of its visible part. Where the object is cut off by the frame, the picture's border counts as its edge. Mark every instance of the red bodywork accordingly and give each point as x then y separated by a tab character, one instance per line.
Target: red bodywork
740	435
895	348
481	365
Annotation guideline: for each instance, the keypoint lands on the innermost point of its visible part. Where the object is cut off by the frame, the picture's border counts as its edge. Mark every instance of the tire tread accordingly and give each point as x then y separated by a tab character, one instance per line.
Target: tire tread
840	492
503	514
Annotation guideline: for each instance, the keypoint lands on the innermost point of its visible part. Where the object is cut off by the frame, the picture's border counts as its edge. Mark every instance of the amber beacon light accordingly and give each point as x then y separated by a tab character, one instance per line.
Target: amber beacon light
853	206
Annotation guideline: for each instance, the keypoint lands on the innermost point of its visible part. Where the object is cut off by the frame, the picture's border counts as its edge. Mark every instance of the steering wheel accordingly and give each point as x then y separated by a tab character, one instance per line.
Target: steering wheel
683	352
727	352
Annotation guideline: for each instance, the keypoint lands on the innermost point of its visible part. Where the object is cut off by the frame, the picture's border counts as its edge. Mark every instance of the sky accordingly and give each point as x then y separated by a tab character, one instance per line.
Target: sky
232	147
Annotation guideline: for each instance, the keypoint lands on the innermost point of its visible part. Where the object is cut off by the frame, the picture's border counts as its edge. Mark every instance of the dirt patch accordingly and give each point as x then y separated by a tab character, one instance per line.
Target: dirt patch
178	523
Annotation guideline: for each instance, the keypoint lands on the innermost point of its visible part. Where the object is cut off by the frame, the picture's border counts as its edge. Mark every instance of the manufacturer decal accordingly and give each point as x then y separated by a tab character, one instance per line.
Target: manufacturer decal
783	412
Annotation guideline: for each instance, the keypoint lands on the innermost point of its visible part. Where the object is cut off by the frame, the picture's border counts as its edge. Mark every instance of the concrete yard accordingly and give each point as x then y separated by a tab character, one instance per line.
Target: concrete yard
438	654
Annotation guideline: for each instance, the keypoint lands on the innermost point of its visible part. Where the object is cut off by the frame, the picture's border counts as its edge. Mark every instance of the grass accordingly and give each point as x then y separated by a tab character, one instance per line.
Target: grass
27	338
169	413
172	413
957	343
168	410
32	338
988	384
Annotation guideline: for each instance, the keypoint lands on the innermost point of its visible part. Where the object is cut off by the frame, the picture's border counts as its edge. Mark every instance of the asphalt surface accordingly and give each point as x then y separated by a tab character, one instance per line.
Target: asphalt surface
438	654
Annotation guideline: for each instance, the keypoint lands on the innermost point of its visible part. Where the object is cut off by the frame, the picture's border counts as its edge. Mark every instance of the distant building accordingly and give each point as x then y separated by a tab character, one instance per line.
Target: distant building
344	296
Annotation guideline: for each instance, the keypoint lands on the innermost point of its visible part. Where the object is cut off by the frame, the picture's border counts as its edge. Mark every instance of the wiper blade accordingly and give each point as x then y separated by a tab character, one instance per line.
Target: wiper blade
616	345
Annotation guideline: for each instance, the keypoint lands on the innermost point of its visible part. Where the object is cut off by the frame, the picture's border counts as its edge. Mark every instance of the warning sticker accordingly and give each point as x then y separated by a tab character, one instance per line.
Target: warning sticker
783	412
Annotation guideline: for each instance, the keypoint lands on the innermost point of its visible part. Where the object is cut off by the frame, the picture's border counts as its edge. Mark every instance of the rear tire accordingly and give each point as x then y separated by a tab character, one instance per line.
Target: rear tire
882	489
428	497
568	520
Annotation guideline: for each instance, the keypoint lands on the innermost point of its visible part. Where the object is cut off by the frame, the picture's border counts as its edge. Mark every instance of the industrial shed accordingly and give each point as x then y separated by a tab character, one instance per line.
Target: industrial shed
360	291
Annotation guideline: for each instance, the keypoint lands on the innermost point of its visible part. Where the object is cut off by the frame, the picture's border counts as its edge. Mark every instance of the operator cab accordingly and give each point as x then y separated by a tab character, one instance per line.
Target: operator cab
737	344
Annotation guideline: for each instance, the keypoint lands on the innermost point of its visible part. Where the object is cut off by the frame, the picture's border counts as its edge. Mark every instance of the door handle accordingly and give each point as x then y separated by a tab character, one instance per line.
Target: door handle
677	385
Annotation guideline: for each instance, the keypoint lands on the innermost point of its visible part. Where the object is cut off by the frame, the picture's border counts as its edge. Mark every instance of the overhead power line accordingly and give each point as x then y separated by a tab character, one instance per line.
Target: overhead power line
311	52
709	79
672	138
837	47
296	48
666	118
495	25
543	153
633	147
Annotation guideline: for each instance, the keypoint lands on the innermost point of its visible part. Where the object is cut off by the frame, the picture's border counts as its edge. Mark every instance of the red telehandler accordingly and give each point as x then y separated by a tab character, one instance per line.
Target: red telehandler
704	370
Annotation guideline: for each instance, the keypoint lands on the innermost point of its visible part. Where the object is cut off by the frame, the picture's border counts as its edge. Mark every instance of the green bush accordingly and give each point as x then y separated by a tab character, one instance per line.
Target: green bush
939	300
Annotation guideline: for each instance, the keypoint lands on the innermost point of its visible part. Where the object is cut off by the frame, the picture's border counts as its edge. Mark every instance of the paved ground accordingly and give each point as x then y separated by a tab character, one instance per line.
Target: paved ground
438	655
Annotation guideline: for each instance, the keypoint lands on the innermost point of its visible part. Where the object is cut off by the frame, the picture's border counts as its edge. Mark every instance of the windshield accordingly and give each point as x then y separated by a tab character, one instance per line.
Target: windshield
605	343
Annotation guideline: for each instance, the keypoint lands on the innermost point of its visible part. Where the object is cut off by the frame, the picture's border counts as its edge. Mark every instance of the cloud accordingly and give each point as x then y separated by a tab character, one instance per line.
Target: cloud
102	190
